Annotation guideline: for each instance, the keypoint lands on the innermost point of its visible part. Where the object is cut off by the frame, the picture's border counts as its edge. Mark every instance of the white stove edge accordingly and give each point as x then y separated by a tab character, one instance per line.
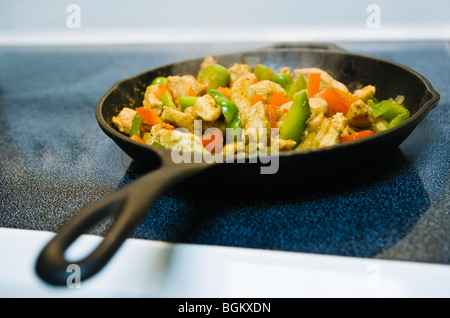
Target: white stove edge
145	268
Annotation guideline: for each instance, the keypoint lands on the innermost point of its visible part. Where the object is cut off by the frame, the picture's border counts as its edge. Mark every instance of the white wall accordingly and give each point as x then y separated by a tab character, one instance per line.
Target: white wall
102	21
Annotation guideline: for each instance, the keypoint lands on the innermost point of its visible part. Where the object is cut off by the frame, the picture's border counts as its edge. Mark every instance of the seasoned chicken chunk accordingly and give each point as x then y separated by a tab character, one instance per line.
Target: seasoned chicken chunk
174	139
326	80
282	145
266	88
206	108
243	82
124	119
286	70
234	147
318	108
177	118
330	130
151	100
360	115
180	85
237	71
365	93
327	134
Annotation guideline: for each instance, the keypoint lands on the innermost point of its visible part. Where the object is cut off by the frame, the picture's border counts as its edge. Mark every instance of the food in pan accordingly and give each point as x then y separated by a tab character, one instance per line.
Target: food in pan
291	110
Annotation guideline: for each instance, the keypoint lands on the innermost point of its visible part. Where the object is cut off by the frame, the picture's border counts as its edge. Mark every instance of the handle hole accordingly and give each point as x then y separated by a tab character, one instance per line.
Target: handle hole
82	246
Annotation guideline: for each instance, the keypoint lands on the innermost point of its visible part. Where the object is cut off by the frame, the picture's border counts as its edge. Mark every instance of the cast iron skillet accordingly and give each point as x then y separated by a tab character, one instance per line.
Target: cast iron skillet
131	204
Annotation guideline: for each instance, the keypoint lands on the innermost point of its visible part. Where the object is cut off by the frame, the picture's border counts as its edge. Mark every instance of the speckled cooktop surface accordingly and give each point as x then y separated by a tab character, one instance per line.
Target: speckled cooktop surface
55	160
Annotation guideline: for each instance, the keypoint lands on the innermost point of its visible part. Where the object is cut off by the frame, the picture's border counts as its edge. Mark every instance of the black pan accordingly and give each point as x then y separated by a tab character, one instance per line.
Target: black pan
131	204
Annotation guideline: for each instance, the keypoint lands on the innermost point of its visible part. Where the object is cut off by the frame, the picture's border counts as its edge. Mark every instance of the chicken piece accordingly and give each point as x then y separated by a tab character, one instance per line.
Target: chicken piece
243	82
309	142
365	93
282	145
266	88
326	80
253	117
360	115
209	60
180	85
206	108
318	105
234	148
286	70
151	100
177	118
314	122
330	130
124	119
237	71
174	139
318	108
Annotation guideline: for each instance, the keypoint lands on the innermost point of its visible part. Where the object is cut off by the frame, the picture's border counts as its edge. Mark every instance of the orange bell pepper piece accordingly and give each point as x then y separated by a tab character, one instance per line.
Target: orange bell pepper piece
357	135
149	117
278	100
272	115
257	98
313	84
337	99
136	138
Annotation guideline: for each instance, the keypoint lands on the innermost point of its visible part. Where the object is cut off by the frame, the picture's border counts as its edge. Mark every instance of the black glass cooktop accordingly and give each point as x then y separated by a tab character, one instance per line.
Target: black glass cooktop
55	160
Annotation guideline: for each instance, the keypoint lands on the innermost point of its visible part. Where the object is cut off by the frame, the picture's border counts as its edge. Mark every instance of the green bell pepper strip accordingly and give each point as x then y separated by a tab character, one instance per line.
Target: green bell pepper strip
167	100
159	80
229	109
235	123
214	76
136	126
295	120
285	80
262	72
299	84
186	101
390	111
157	144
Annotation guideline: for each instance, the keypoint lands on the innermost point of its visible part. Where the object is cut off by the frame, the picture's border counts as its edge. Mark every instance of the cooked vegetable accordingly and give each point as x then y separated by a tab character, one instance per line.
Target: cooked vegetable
167	100
136	138
186	101
149	117
278	100
391	111
285	80
136	126
272	115
295	120
337	99
313	84
214	76
357	135
297	86
262	72
309	107
159	80
229	109
235	123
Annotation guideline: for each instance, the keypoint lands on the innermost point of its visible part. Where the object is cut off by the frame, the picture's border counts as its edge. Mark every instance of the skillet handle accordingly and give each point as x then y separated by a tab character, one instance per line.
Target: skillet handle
306	45
129	205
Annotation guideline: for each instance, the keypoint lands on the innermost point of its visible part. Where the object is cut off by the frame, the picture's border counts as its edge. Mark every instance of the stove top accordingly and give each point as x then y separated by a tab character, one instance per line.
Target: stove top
55	160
